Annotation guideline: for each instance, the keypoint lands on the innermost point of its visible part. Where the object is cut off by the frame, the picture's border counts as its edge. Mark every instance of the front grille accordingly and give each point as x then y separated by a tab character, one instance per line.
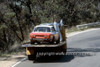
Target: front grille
39	36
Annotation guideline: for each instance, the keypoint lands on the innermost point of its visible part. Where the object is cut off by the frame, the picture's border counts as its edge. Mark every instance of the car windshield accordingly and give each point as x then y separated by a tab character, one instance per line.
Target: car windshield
42	29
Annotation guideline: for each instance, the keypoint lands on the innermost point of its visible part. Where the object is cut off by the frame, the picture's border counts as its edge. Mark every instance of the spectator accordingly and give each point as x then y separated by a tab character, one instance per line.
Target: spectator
57	28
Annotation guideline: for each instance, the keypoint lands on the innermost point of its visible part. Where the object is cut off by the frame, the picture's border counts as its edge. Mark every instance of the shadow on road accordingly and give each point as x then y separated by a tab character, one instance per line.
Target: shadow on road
54	59
70	55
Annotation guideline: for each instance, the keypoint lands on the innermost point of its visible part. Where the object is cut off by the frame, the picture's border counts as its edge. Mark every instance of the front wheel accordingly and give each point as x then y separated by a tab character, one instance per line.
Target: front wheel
58	41
52	42
31	41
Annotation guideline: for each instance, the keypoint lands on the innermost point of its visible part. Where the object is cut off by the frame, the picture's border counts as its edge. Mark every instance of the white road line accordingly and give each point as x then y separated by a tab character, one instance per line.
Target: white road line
67	36
19	62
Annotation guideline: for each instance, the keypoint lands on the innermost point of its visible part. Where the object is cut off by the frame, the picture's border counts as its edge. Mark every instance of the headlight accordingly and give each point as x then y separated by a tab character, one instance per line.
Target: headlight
34	35
51	36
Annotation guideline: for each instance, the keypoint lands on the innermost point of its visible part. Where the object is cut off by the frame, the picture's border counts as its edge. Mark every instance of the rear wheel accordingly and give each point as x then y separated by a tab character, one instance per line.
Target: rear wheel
64	51
32	57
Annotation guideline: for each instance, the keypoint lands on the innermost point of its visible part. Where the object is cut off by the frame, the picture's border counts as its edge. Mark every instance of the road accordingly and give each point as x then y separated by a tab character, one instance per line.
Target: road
83	51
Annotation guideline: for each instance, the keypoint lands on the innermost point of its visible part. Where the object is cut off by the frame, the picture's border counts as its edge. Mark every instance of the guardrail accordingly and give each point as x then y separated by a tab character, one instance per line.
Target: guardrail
94	24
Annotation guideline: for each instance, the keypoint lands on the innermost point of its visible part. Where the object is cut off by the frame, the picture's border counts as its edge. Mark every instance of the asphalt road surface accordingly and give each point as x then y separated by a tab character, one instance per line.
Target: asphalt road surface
83	51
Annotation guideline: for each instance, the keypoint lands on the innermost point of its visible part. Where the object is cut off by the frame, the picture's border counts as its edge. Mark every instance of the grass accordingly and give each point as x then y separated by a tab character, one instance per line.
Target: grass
4	55
74	29
10	53
14	50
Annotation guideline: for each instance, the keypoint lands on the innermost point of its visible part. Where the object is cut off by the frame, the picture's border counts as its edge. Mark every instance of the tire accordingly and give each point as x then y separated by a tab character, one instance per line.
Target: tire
52	42
64	51
32	57
58	41
31	41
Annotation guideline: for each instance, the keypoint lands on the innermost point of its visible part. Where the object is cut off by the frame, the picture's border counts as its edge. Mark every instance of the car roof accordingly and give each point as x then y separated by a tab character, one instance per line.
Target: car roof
49	24
45	25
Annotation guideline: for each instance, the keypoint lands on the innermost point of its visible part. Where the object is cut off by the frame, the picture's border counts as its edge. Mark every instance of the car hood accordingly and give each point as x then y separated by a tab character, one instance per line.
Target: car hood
40	33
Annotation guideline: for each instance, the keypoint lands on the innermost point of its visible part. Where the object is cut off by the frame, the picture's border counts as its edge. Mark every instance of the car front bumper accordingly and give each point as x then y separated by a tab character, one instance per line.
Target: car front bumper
40	40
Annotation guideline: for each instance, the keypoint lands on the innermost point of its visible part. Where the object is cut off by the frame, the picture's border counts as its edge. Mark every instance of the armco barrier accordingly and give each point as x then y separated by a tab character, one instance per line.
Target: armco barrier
87	25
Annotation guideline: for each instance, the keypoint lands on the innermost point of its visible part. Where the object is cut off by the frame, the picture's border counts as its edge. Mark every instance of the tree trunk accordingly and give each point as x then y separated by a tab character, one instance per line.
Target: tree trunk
21	31
11	29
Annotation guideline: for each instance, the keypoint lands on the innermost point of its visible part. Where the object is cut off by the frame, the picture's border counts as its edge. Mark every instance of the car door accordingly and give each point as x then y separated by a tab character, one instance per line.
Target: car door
55	33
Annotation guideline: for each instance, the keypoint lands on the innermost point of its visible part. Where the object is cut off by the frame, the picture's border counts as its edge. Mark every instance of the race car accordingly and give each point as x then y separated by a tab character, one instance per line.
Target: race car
44	33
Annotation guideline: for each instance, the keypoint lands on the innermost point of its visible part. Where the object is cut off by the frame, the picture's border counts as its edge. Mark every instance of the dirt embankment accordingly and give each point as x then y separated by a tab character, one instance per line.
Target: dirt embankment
8	61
